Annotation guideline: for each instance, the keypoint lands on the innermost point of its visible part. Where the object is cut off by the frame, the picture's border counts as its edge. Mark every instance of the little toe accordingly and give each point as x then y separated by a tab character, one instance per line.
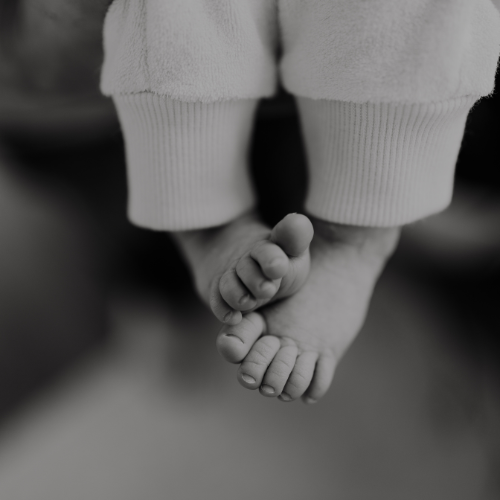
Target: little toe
235	342
257	361
293	234
322	379
272	260
234	292
279	370
301	376
251	276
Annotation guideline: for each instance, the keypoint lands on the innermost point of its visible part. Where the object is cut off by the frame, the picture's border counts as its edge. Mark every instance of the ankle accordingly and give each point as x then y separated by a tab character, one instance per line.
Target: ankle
190	243
378	242
197	244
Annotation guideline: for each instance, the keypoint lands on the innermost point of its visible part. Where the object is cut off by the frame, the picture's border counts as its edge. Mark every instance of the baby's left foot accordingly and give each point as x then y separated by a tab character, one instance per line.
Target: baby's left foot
290	348
243	265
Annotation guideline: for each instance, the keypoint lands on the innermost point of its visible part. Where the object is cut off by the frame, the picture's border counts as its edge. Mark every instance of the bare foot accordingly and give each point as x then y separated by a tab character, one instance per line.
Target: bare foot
244	265
290	349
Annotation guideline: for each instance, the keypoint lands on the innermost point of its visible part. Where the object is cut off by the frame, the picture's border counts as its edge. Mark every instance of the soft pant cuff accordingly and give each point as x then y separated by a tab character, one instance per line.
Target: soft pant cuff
383	164
186	161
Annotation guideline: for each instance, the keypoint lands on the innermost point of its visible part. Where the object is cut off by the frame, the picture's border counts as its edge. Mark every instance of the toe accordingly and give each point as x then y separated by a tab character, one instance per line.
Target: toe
235	342
322	379
301	376
234	292
222	311
293	234
251	276
272	260
257	361
278	372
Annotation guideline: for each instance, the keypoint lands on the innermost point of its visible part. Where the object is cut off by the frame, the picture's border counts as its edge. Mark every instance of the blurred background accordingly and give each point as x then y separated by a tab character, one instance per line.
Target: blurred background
110	385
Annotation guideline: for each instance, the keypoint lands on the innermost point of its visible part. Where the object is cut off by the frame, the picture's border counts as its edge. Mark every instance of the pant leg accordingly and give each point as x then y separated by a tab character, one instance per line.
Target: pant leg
186	161
384	88
185	76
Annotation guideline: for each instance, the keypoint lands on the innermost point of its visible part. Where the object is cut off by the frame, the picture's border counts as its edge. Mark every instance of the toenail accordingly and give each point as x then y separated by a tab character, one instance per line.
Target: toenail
227	317
244	299
267	389
248	379
310	401
266	285
231	336
285	397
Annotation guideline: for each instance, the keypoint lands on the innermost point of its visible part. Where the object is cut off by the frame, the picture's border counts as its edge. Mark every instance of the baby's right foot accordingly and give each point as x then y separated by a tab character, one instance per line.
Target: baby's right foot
290	349
243	265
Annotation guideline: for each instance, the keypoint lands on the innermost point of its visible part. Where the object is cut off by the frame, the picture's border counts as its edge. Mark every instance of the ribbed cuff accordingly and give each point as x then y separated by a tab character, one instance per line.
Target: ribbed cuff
186	161
383	164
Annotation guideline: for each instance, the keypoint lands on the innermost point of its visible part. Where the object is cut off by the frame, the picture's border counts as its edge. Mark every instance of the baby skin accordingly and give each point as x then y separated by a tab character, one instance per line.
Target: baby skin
289	349
244	265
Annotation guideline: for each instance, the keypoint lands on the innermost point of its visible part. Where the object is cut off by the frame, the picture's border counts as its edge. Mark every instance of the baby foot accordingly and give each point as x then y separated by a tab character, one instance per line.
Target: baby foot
290	349
244	265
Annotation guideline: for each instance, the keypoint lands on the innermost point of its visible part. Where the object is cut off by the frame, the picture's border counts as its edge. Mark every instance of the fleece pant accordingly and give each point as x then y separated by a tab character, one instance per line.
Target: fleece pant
383	90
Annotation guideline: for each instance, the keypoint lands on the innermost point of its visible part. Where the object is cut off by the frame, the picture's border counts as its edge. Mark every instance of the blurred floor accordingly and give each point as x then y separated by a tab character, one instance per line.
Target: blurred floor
156	414
139	405
52	298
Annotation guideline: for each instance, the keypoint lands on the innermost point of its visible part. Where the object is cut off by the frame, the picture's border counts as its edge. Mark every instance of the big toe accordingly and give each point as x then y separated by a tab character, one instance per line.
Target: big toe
293	234
235	342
